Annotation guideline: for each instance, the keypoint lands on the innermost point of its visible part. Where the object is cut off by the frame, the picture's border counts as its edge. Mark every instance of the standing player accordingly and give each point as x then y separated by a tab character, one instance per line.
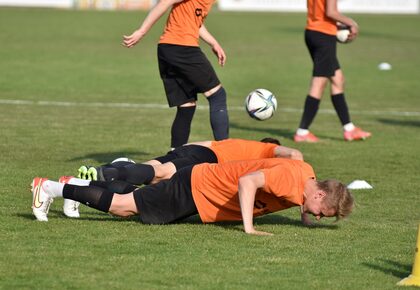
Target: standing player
320	38
232	191
184	69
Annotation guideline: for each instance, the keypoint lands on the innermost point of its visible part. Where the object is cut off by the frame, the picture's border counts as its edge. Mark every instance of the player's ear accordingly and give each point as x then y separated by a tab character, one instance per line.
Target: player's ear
320	193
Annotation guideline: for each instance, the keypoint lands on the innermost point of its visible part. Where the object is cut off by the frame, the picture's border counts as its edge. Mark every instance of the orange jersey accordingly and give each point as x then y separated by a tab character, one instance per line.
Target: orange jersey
184	22
317	19
215	187
239	149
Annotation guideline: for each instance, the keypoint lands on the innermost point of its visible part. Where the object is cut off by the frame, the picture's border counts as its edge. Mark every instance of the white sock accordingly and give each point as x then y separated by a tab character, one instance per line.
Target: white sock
80	182
349	127
302	132
53	188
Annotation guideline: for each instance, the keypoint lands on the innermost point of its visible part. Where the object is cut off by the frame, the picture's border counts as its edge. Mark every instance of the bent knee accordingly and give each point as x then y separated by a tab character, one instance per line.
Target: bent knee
213	90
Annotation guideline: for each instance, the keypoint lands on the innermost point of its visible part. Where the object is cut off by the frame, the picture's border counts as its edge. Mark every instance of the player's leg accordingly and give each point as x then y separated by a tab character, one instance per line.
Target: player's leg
319	47
71	207
219	118
180	92
123	205
199	76
338	98
181	126
100	198
312	101
351	132
185	156
132	173
167	201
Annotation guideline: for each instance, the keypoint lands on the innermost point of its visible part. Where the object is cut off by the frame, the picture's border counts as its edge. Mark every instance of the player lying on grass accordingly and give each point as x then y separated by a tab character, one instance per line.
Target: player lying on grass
230	191
165	166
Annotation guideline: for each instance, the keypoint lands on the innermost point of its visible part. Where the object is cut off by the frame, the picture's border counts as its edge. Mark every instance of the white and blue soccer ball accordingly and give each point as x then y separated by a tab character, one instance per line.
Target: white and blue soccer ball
260	104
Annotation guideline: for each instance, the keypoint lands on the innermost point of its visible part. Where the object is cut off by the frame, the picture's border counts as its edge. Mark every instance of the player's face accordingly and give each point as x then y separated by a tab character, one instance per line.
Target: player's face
323	211
317	208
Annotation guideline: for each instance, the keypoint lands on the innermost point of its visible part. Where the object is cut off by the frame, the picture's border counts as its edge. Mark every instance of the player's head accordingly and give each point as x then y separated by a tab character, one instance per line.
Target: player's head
270	140
330	198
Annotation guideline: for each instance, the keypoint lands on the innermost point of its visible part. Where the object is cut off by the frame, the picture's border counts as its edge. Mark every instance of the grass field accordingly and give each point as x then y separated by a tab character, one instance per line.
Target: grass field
64	83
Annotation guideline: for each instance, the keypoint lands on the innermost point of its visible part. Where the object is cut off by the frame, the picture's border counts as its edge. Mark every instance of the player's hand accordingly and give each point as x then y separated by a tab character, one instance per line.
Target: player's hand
131	40
220	53
306	220
354	32
258	233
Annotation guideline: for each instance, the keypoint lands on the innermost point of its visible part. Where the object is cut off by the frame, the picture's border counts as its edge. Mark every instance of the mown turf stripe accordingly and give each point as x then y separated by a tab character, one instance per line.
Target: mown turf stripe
201	107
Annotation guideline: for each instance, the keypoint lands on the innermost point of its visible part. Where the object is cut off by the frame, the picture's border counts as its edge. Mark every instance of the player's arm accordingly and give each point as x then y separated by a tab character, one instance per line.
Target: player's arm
286	152
212	42
304	217
333	13
248	185
149	21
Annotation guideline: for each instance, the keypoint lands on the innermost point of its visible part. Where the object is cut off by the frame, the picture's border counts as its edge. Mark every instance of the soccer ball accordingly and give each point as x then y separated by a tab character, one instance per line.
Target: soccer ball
260	104
343	33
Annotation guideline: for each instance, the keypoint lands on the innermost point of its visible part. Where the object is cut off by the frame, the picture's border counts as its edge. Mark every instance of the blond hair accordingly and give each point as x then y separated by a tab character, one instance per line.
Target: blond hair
337	197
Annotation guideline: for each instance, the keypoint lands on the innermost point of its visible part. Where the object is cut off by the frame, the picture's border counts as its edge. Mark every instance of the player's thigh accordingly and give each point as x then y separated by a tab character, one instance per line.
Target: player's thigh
192	155
178	89
323	50
189	66
167	201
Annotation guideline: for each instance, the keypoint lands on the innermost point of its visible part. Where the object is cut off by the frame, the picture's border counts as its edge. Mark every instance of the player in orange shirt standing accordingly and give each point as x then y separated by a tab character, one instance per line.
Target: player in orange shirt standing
232	191
320	39
184	69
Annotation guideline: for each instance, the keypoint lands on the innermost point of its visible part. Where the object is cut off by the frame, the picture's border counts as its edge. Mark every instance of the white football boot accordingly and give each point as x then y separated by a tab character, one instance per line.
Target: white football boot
41	201
70	207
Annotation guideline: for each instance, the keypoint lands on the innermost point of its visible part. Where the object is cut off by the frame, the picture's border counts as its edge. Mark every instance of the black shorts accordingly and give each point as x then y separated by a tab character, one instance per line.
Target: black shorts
167	201
188	155
323	50
185	72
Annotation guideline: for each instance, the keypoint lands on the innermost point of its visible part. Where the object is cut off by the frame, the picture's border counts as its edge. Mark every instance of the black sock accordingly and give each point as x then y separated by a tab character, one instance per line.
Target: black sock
132	173
180	131
340	106
219	118
139	173
309	112
109	173
92	196
115	186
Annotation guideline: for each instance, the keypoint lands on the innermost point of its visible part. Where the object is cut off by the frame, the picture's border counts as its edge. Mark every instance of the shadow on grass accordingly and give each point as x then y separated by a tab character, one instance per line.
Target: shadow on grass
286	134
106	157
393	268
392	122
193	220
91	216
265	220
271	132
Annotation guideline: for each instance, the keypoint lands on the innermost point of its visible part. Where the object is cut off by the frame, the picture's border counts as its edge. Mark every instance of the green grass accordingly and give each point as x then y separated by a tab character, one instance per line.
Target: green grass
76	57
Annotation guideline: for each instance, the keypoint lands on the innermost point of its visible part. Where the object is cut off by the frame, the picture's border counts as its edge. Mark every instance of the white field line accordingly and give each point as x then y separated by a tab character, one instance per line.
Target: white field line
200	107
